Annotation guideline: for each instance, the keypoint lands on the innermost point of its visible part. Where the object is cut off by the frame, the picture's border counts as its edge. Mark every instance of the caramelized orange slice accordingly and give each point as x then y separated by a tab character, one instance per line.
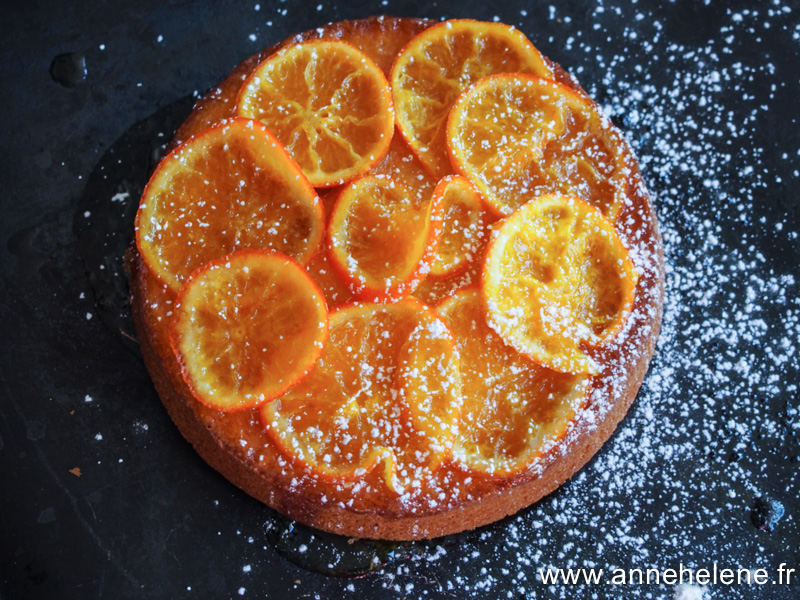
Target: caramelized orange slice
381	239
246	328
513	408
384	394
463	227
228	188
556	276
327	103
441	62
518	136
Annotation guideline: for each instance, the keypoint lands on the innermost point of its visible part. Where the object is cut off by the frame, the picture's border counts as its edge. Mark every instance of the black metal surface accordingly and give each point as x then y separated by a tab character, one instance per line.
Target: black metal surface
705	469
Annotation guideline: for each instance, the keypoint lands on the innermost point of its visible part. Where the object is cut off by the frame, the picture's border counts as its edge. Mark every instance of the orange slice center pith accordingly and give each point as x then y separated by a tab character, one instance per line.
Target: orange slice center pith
327	103
517	137
556	277
357	410
381	239
229	188
512	407
463	226
247	327
441	62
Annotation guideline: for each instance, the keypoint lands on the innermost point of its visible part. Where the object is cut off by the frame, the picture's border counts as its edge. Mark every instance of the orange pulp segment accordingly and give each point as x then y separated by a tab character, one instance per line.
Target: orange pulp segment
518	136
229	188
441	62
463	226
359	407
381	239
513	409
328	104
246	328
556	276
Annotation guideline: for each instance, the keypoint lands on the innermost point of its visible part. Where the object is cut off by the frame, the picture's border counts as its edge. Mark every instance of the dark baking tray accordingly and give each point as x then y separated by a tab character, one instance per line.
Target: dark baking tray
703	471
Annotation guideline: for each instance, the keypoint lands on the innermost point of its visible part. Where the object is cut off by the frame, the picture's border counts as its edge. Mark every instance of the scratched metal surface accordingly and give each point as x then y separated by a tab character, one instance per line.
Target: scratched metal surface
100	497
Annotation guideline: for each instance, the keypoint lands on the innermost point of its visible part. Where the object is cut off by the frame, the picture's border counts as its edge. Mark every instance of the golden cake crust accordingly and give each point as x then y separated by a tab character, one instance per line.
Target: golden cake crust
236	445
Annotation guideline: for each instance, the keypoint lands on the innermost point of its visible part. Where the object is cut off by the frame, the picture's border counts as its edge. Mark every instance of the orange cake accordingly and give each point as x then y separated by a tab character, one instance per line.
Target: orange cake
397	278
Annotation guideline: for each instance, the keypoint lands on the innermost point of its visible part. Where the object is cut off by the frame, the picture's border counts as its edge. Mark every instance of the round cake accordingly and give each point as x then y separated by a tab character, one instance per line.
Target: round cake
397	278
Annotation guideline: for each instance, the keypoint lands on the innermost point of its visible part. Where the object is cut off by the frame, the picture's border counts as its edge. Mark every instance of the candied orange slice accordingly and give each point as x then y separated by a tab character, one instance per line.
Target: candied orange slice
441	62
329	105
556	276
384	394
246	328
463	227
518	136
381	239
229	188
514	409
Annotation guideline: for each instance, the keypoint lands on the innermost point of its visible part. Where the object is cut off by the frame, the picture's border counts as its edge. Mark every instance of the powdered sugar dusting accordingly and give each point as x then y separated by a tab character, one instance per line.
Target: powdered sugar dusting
677	482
